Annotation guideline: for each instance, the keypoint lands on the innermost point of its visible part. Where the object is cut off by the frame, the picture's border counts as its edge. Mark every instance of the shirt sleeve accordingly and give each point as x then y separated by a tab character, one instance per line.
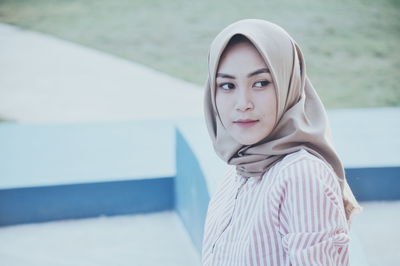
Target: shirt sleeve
312	221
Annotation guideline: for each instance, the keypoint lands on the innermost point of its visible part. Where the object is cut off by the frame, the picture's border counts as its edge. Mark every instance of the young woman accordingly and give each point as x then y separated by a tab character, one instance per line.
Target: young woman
287	201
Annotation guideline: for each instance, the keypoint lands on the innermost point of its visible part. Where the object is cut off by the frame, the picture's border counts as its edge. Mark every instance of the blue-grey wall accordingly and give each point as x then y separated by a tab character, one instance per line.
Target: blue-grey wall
191	192
48	203
374	183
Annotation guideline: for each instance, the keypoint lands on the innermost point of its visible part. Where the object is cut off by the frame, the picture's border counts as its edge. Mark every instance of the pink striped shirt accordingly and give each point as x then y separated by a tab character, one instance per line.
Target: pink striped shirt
293	215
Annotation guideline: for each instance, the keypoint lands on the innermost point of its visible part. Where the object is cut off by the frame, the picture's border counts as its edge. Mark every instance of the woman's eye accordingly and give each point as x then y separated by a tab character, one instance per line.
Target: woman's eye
262	83
226	86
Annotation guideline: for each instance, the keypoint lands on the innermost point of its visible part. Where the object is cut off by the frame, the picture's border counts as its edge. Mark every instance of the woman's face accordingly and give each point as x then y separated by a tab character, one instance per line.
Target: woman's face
245	94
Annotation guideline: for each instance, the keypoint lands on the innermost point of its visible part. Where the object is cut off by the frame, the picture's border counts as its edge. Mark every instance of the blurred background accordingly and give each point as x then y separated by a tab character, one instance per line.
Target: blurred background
173	37
83	82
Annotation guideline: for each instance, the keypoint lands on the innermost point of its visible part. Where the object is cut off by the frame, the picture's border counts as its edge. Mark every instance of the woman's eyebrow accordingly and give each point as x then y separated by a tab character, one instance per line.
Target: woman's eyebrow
222	75
259	71
262	70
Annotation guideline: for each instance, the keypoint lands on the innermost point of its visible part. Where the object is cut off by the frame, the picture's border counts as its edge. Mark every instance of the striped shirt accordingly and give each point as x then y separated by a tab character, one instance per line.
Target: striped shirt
293	215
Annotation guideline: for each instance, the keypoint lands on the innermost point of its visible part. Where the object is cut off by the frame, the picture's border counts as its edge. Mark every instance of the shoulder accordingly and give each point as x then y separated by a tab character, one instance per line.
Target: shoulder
303	167
301	157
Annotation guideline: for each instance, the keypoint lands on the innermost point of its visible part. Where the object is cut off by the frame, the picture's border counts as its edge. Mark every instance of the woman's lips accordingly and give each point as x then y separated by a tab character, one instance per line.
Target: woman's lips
245	123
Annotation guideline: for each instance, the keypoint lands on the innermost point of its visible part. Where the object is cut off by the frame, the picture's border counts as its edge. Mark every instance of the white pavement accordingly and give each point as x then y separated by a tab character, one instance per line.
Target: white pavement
377	229
45	80
139	240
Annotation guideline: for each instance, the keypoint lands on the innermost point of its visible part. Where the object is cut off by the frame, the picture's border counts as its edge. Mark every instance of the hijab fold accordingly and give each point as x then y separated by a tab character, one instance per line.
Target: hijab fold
301	121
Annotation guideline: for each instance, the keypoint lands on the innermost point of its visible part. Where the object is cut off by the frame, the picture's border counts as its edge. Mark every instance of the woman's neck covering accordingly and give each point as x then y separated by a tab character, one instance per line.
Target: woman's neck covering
301	121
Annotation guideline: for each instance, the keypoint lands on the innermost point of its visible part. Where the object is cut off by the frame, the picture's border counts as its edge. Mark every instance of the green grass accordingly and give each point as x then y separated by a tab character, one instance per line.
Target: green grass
4	120
351	47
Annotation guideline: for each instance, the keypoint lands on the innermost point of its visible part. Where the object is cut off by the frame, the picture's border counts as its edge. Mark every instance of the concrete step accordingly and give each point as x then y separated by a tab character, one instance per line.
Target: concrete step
54	172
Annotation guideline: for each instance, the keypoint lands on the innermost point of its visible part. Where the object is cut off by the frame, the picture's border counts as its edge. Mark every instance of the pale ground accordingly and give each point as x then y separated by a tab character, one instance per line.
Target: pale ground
46	80
377	228
150	239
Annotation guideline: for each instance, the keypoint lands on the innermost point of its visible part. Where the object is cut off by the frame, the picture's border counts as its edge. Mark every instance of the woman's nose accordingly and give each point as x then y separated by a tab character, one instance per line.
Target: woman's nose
244	100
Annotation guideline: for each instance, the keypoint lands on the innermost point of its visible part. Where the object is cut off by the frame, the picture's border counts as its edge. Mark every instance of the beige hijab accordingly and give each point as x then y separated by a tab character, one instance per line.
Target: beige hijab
301	117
